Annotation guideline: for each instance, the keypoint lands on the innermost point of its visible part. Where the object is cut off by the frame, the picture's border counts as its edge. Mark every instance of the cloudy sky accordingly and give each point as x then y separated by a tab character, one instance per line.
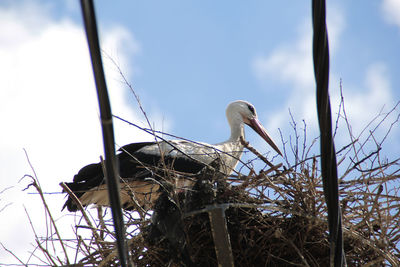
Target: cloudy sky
186	60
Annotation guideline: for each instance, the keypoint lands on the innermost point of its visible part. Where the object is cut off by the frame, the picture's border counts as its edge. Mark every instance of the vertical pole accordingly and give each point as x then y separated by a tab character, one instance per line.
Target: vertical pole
220	234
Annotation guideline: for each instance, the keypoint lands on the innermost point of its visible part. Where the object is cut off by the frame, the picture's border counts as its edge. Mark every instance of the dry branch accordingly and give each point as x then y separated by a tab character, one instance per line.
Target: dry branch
275	217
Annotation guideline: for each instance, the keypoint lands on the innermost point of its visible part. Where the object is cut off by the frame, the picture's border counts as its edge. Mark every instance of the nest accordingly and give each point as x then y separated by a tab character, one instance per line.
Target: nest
274	217
290	229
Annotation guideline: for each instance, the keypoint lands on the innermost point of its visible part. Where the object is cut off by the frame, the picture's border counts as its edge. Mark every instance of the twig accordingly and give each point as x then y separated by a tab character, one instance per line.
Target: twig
15	256
88	221
45	252
258	154
35	183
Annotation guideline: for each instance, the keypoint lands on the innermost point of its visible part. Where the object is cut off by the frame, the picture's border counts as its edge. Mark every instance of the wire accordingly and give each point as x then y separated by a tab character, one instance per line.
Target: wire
111	172
328	154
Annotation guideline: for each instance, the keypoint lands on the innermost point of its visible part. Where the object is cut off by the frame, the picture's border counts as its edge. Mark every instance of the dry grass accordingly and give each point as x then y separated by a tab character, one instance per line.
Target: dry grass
275	217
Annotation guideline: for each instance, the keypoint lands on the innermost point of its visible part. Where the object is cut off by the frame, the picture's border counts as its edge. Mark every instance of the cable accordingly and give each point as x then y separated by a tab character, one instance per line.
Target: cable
328	154
111	172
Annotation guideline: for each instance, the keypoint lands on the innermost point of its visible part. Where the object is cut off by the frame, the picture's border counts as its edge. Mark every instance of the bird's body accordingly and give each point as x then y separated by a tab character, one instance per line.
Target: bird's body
195	151
140	161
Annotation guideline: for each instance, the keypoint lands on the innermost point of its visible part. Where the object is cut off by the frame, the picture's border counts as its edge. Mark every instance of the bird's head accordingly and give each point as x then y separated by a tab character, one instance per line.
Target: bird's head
239	112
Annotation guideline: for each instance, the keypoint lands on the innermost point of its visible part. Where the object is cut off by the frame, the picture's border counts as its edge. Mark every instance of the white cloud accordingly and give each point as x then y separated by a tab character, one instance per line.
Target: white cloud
48	105
391	11
364	103
292	64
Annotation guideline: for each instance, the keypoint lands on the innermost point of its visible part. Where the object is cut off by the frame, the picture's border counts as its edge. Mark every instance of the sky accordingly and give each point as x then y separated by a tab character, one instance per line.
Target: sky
186	60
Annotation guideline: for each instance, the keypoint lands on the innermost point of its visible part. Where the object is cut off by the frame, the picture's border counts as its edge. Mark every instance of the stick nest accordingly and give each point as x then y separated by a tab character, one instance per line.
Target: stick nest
275	216
281	220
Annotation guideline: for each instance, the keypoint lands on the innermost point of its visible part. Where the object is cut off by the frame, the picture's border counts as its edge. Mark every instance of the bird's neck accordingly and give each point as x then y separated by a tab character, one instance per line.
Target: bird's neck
237	130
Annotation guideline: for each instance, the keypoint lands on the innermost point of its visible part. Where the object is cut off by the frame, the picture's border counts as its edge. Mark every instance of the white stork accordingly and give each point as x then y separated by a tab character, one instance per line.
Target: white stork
138	161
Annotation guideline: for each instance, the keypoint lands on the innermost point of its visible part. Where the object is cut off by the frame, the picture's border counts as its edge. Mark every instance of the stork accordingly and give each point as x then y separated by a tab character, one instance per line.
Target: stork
138	162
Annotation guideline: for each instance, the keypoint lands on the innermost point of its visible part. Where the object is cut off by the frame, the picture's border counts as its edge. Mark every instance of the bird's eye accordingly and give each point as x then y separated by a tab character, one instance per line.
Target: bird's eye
252	110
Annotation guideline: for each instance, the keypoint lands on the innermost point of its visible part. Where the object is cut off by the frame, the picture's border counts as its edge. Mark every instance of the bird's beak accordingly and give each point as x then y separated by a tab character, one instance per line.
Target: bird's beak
256	126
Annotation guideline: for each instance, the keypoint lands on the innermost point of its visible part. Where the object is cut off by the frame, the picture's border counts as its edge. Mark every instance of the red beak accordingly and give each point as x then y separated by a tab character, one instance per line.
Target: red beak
258	128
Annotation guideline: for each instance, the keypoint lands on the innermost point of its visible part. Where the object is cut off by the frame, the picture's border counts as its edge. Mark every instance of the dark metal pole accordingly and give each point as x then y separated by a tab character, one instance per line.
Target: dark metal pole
328	154
111	173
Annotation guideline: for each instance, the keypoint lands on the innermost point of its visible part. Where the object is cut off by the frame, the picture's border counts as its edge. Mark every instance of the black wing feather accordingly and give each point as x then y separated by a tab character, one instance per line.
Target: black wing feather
131	166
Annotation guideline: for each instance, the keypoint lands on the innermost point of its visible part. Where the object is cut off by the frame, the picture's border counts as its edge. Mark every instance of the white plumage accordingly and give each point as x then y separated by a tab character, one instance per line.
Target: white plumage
182	155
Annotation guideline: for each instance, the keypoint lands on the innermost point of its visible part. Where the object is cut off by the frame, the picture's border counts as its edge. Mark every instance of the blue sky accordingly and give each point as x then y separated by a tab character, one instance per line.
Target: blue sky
186	60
